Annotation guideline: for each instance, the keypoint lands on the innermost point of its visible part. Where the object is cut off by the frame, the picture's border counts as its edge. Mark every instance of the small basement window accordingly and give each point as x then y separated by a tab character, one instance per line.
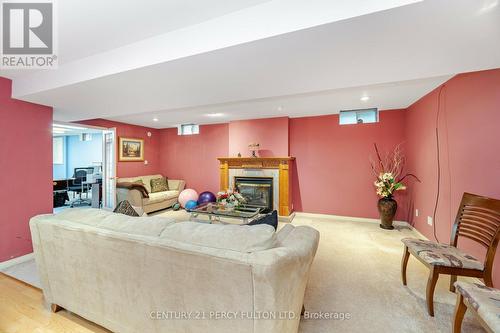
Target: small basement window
188	129
360	116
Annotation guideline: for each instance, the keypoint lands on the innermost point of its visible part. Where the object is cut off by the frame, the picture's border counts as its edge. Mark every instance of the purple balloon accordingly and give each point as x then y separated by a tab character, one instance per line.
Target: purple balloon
206	197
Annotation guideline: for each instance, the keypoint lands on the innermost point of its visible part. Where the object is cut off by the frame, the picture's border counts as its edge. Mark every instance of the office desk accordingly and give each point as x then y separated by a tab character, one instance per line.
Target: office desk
60	192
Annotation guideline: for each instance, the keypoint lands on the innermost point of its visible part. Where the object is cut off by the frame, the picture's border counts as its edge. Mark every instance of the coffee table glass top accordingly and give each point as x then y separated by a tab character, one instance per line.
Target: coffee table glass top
214	209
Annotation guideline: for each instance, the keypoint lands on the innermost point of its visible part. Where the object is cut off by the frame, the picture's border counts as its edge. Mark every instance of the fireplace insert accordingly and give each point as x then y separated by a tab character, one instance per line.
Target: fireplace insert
258	191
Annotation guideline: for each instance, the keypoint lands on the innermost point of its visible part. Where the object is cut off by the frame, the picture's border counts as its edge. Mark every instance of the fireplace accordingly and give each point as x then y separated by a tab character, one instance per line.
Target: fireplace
279	169
258	191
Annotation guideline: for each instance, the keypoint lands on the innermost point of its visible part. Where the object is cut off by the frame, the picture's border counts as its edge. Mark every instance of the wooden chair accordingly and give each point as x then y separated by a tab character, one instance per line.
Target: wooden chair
481	301
478	219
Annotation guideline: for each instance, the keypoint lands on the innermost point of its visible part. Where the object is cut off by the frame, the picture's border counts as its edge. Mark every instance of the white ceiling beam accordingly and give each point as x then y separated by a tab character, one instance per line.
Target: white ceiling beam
261	21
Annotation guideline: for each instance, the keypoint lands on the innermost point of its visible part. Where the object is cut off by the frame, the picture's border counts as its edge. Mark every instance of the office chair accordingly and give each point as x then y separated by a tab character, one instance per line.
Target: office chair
76	186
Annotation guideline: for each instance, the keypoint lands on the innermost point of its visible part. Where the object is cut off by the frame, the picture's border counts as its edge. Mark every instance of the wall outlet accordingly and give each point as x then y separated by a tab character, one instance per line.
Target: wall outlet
416	212
429	220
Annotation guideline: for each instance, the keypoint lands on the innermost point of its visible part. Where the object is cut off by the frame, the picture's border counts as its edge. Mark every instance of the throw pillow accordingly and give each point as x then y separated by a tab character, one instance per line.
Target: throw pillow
124	207
159	185
271	219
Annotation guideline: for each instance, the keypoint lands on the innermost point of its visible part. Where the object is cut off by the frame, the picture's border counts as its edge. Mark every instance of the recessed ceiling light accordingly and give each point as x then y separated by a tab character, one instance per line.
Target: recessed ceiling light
365	98
218	114
279	108
155	119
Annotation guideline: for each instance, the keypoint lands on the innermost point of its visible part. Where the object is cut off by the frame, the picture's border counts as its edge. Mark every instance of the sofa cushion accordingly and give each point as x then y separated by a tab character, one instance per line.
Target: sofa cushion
159	197
145	179
159	185
229	237
146	226
88	216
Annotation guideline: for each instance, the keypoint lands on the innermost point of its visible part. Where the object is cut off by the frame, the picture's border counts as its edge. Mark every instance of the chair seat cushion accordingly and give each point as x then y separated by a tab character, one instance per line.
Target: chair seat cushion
486	302
441	254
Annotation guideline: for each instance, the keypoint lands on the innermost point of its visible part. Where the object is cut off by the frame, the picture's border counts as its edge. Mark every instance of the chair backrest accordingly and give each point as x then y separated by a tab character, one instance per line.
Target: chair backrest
80	176
478	219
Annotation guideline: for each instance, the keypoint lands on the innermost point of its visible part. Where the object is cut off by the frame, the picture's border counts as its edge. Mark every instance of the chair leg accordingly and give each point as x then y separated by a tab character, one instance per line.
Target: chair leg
453	279
404	263
431	285
460	309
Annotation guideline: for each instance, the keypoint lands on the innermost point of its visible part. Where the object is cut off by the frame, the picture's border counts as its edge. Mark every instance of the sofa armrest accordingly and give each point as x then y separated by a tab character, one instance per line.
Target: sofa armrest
176	184
280	276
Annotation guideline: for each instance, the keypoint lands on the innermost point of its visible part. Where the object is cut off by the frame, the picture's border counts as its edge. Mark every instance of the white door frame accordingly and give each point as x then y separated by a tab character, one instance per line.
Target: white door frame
109	179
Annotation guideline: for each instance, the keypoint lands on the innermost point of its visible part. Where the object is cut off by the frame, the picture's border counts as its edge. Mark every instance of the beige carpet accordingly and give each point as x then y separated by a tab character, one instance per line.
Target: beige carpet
357	272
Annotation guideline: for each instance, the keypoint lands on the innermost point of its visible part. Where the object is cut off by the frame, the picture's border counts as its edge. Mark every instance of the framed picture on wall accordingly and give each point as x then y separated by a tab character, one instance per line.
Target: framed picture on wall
130	150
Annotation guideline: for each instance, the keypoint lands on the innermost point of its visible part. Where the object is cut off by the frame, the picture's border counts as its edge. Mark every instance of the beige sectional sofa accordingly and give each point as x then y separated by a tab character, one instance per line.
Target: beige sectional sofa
157	200
153	274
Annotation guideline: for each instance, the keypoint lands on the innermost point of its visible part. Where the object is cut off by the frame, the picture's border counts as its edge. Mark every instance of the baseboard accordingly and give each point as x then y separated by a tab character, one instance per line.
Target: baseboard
15	261
349	218
286	219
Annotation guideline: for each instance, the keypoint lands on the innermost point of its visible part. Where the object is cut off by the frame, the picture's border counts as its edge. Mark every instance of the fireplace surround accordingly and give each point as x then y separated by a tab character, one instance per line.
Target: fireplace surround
279	169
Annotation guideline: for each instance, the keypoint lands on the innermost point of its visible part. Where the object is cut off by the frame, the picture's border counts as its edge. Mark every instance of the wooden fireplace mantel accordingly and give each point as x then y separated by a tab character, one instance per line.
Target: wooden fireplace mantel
283	164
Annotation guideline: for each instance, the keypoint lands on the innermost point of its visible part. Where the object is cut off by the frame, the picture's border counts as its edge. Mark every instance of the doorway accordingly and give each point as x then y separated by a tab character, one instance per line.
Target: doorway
84	166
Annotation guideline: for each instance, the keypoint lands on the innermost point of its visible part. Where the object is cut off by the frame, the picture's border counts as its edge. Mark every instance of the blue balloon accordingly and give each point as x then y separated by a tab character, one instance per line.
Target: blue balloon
190	204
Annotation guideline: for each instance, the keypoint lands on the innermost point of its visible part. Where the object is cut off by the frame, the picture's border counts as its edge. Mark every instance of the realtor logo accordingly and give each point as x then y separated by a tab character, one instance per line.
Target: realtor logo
28	35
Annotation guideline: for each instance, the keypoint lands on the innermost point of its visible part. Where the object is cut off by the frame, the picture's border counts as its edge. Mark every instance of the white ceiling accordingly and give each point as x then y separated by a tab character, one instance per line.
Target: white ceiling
383	96
261	58
89	27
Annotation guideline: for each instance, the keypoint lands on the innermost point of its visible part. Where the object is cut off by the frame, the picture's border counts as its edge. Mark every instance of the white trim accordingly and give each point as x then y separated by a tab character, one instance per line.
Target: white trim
350	218
418	233
286	219
83	126
15	261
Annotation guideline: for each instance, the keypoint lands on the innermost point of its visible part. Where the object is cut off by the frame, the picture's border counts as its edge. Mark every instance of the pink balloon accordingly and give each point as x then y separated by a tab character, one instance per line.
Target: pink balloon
186	195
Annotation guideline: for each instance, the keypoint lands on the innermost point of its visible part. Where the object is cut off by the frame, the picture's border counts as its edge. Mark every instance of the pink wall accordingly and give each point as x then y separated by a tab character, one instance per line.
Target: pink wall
151	147
470	150
270	133
26	169
194	157
332	173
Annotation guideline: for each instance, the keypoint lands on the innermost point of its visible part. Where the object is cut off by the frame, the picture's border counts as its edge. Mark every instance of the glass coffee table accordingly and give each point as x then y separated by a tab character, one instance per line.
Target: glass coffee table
215	212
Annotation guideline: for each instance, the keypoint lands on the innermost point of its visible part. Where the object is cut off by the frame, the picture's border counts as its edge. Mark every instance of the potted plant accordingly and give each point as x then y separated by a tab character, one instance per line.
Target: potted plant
388	172
230	199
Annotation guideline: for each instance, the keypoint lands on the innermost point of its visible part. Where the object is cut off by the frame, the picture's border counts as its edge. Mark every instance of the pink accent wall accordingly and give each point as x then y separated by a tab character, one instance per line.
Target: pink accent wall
332	173
270	133
26	169
151	147
194	157
470	151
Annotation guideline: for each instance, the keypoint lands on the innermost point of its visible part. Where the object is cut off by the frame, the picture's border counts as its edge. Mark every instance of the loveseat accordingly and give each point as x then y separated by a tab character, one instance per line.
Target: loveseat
154	274
153	201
